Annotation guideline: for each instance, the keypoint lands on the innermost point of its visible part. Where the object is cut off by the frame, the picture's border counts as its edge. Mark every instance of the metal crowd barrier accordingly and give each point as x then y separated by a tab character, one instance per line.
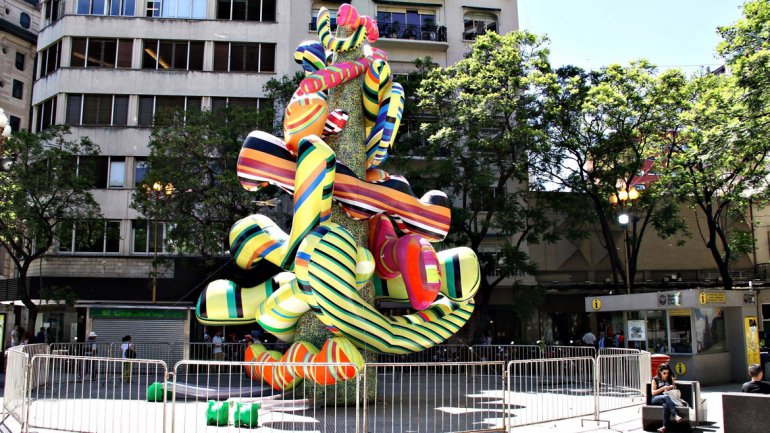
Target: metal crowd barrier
621	380
438	353
14	399
423	397
568	351
233	352
549	389
107	395
306	407
505	353
618	351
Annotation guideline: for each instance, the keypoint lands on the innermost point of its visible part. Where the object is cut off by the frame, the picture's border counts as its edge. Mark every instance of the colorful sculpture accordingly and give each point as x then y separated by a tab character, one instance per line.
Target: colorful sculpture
324	267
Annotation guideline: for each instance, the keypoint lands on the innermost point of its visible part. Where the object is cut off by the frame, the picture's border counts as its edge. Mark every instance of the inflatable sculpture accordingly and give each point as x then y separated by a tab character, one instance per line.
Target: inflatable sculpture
324	268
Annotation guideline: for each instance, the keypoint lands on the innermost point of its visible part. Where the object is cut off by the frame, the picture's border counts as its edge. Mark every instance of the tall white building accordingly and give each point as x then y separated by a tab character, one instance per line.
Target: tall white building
105	66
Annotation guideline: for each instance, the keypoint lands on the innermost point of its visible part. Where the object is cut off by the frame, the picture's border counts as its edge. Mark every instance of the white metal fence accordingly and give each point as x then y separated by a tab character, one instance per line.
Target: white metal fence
74	393
200	387
429	397
105	394
550	389
16	384
621	380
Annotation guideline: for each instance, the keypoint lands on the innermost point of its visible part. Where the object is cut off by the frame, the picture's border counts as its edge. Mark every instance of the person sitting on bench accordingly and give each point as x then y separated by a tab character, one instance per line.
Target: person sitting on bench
662	382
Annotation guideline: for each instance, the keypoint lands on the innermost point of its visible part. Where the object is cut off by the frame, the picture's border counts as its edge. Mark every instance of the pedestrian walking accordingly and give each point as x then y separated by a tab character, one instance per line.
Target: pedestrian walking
127	352
219	355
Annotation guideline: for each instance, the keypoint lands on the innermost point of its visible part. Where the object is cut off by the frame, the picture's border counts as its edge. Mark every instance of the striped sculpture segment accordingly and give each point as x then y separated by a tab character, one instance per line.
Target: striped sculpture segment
323	267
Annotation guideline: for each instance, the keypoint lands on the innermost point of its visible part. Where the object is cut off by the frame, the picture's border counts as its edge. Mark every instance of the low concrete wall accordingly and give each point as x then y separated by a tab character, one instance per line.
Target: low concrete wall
745	413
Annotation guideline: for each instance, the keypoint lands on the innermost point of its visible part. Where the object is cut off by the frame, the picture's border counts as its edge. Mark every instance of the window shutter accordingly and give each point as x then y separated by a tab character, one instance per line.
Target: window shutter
125	52
221	52
120	114
73	109
90	109
145	110
267	58
196	56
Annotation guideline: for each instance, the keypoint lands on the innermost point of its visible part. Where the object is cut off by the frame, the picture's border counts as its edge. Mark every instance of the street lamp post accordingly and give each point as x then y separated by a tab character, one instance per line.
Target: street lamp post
624	199
157	192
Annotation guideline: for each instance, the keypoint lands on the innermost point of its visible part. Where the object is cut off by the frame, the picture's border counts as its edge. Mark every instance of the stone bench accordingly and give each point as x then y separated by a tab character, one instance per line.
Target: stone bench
652	415
745	413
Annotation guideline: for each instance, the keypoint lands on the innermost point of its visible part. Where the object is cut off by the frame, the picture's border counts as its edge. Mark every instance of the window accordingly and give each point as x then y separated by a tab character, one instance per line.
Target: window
104	171
46	114
184	55
20	61
123	8
397	23
15	122
478	23
117	172
220	103
680	330
332	15
100	110
141	166
149	105
195	9
92	236
54	9
101	53
144	240
49	59
106	7
25	20
242	57
709	330
246	10
766	319
18	89
657	332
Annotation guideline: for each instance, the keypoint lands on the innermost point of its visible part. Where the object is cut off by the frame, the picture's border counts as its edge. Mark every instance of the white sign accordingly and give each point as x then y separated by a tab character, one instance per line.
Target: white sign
637	330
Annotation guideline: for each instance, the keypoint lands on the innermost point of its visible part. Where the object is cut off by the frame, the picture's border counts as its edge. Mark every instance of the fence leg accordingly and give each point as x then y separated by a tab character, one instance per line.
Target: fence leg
597	408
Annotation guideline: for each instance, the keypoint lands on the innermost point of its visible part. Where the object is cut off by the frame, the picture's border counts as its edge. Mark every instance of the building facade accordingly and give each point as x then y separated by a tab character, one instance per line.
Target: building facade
104	67
19	23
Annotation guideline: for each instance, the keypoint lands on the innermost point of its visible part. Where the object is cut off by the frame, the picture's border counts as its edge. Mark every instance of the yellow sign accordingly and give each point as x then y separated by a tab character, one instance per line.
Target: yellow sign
751	332
712	298
680	368
596	304
679	312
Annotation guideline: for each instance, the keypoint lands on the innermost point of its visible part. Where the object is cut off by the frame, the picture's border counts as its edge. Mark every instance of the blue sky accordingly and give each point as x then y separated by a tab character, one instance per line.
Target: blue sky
595	33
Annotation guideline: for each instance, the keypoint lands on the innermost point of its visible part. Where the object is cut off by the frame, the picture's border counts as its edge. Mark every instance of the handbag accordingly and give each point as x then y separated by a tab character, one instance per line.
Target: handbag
676	397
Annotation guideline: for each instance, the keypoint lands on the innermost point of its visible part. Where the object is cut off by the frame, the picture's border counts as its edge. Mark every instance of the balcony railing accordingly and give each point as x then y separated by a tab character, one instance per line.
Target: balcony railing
431	33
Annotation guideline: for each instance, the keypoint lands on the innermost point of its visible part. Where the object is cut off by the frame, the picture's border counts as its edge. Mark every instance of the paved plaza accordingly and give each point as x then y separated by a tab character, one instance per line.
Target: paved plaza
620	420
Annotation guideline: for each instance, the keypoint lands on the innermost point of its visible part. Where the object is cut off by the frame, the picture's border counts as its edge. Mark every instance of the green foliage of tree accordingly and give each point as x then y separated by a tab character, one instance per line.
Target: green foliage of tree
484	117
719	162
41	192
603	126
280	91
746	47
197	152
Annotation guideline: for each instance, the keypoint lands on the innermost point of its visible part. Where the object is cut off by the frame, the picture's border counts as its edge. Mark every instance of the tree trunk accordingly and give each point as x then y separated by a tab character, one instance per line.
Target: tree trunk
32	309
722	262
609	242
349	148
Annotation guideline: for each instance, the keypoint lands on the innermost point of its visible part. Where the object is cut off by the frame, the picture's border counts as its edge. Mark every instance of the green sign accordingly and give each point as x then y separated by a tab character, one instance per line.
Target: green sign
127	313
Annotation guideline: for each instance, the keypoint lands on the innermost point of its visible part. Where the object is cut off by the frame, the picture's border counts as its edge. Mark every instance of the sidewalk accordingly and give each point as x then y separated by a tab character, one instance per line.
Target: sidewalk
630	419
621	420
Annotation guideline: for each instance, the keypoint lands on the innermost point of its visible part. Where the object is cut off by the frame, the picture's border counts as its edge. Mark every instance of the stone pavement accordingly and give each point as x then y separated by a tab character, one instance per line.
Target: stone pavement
621	420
